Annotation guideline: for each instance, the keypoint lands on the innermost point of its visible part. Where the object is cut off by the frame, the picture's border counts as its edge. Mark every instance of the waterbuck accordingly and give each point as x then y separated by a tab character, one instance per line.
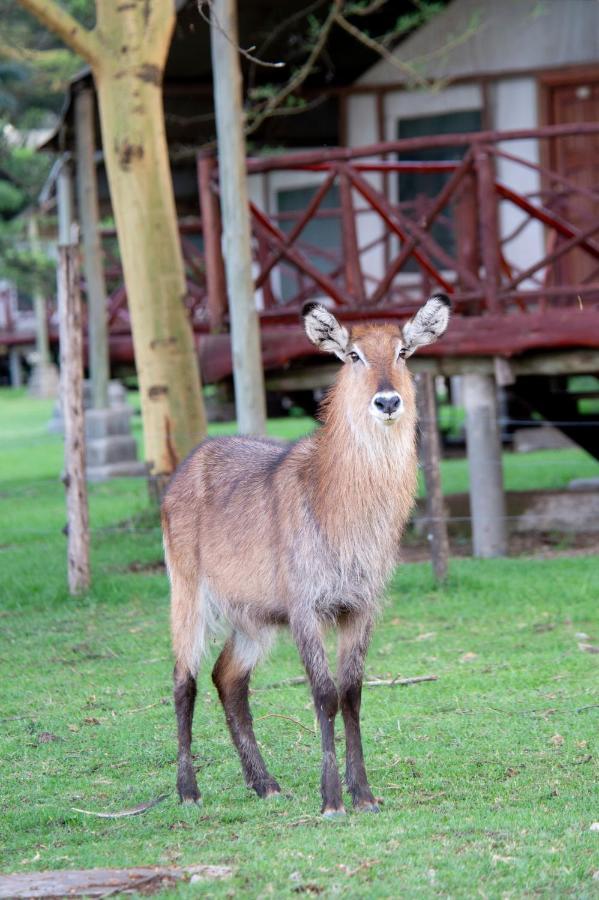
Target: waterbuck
258	535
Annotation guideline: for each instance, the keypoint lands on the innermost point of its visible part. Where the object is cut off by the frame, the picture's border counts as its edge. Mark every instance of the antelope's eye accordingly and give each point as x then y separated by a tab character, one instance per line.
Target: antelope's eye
402	353
353	356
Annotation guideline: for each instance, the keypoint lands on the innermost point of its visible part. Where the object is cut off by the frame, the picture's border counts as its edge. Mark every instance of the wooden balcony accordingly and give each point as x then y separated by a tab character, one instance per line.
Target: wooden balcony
496	220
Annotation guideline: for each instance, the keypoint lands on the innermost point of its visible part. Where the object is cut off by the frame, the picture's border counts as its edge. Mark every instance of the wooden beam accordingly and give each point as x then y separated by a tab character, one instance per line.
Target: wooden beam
89	220
64	200
430	450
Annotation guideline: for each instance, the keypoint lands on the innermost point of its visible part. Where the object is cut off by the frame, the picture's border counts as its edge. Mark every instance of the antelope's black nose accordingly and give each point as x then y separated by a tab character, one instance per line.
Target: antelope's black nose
387	403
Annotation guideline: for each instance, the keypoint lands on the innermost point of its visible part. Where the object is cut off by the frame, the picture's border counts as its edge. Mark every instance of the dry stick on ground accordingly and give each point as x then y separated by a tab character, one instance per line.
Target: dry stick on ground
285	682
392	682
374	682
124	813
288	718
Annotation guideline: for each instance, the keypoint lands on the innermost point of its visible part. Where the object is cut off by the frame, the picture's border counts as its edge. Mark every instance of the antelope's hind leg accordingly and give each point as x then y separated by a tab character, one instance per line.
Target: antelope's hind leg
231	677
185	695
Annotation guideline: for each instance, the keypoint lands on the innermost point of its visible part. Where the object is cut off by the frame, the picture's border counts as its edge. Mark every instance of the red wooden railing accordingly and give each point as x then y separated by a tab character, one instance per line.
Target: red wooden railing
482	274
534	280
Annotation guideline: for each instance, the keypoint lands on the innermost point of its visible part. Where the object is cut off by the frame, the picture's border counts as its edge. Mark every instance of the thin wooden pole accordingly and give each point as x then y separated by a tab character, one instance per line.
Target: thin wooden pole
248	376
431	456
71	376
213	254
89	219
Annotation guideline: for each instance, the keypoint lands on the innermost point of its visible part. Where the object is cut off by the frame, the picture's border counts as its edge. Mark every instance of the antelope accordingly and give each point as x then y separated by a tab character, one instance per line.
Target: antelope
259	535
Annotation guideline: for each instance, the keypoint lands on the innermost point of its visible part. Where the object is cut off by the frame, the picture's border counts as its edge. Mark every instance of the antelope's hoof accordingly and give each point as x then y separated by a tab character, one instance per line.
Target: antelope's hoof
367	806
331	813
189	793
266	789
272	792
190	801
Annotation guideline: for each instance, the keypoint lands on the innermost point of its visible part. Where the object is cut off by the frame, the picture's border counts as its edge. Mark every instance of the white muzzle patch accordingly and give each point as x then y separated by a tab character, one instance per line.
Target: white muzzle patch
386	407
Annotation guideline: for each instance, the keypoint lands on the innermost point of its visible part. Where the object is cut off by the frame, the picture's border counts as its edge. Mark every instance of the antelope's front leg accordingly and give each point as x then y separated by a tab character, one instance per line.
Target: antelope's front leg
354	637
326	701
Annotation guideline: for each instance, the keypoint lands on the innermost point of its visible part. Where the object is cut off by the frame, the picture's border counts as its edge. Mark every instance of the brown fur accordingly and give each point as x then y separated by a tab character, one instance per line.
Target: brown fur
259	534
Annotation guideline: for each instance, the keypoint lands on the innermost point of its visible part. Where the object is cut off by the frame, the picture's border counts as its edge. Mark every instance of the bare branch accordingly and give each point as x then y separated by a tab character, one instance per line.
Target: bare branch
366	10
301	74
294	17
62	23
374	45
245	53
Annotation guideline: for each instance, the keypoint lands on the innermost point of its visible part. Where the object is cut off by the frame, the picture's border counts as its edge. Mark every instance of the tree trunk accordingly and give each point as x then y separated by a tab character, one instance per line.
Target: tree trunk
127	51
129	85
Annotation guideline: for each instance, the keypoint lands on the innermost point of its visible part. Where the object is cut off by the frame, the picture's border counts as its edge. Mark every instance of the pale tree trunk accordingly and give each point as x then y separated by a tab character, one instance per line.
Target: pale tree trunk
127	51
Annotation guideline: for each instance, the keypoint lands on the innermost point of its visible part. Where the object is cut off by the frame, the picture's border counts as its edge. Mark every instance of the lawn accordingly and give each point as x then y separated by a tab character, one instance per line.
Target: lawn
488	774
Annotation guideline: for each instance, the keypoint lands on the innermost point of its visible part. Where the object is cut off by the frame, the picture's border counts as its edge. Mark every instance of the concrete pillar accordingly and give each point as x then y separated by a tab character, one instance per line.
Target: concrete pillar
487	500
15	367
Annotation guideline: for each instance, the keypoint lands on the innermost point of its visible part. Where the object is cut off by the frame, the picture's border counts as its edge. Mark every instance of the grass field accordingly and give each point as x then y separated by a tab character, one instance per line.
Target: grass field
488	774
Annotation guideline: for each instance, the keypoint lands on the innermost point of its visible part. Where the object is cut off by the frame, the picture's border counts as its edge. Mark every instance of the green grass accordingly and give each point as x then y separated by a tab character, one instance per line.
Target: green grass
488	774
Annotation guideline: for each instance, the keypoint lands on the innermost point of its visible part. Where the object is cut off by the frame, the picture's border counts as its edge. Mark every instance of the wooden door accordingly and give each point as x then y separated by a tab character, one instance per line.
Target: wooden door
576	158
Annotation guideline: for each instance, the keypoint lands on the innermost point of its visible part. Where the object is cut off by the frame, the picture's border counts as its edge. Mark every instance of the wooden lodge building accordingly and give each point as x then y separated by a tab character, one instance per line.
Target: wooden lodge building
476	172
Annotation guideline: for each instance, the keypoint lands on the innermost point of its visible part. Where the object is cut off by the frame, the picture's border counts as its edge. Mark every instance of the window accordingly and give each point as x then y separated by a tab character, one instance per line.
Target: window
416	184
321	237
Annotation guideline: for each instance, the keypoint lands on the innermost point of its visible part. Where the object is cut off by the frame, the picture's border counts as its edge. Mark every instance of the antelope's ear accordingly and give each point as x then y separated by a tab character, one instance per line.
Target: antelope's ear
324	330
427	325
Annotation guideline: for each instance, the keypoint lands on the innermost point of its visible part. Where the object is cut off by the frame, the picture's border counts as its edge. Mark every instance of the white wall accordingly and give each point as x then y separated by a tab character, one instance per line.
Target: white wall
470	37
514	104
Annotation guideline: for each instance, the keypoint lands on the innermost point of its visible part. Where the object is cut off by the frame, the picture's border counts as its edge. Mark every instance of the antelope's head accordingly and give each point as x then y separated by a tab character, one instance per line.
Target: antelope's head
375	381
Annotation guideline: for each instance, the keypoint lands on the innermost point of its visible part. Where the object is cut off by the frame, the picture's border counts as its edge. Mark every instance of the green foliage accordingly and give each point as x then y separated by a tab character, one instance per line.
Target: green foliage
43	59
11	199
488	774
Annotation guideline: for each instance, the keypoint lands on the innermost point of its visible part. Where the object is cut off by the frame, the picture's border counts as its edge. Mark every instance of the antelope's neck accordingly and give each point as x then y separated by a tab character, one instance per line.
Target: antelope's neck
365	477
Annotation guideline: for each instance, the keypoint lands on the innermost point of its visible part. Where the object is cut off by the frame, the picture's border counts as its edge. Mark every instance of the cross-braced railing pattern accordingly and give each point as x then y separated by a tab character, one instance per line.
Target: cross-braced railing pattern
505	233
552	226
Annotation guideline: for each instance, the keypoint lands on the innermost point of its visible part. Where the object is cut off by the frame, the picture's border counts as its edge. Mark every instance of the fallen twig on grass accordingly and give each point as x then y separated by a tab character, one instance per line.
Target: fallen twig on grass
391	682
367	864
374	682
289	719
137	709
134	811
15	718
286	682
